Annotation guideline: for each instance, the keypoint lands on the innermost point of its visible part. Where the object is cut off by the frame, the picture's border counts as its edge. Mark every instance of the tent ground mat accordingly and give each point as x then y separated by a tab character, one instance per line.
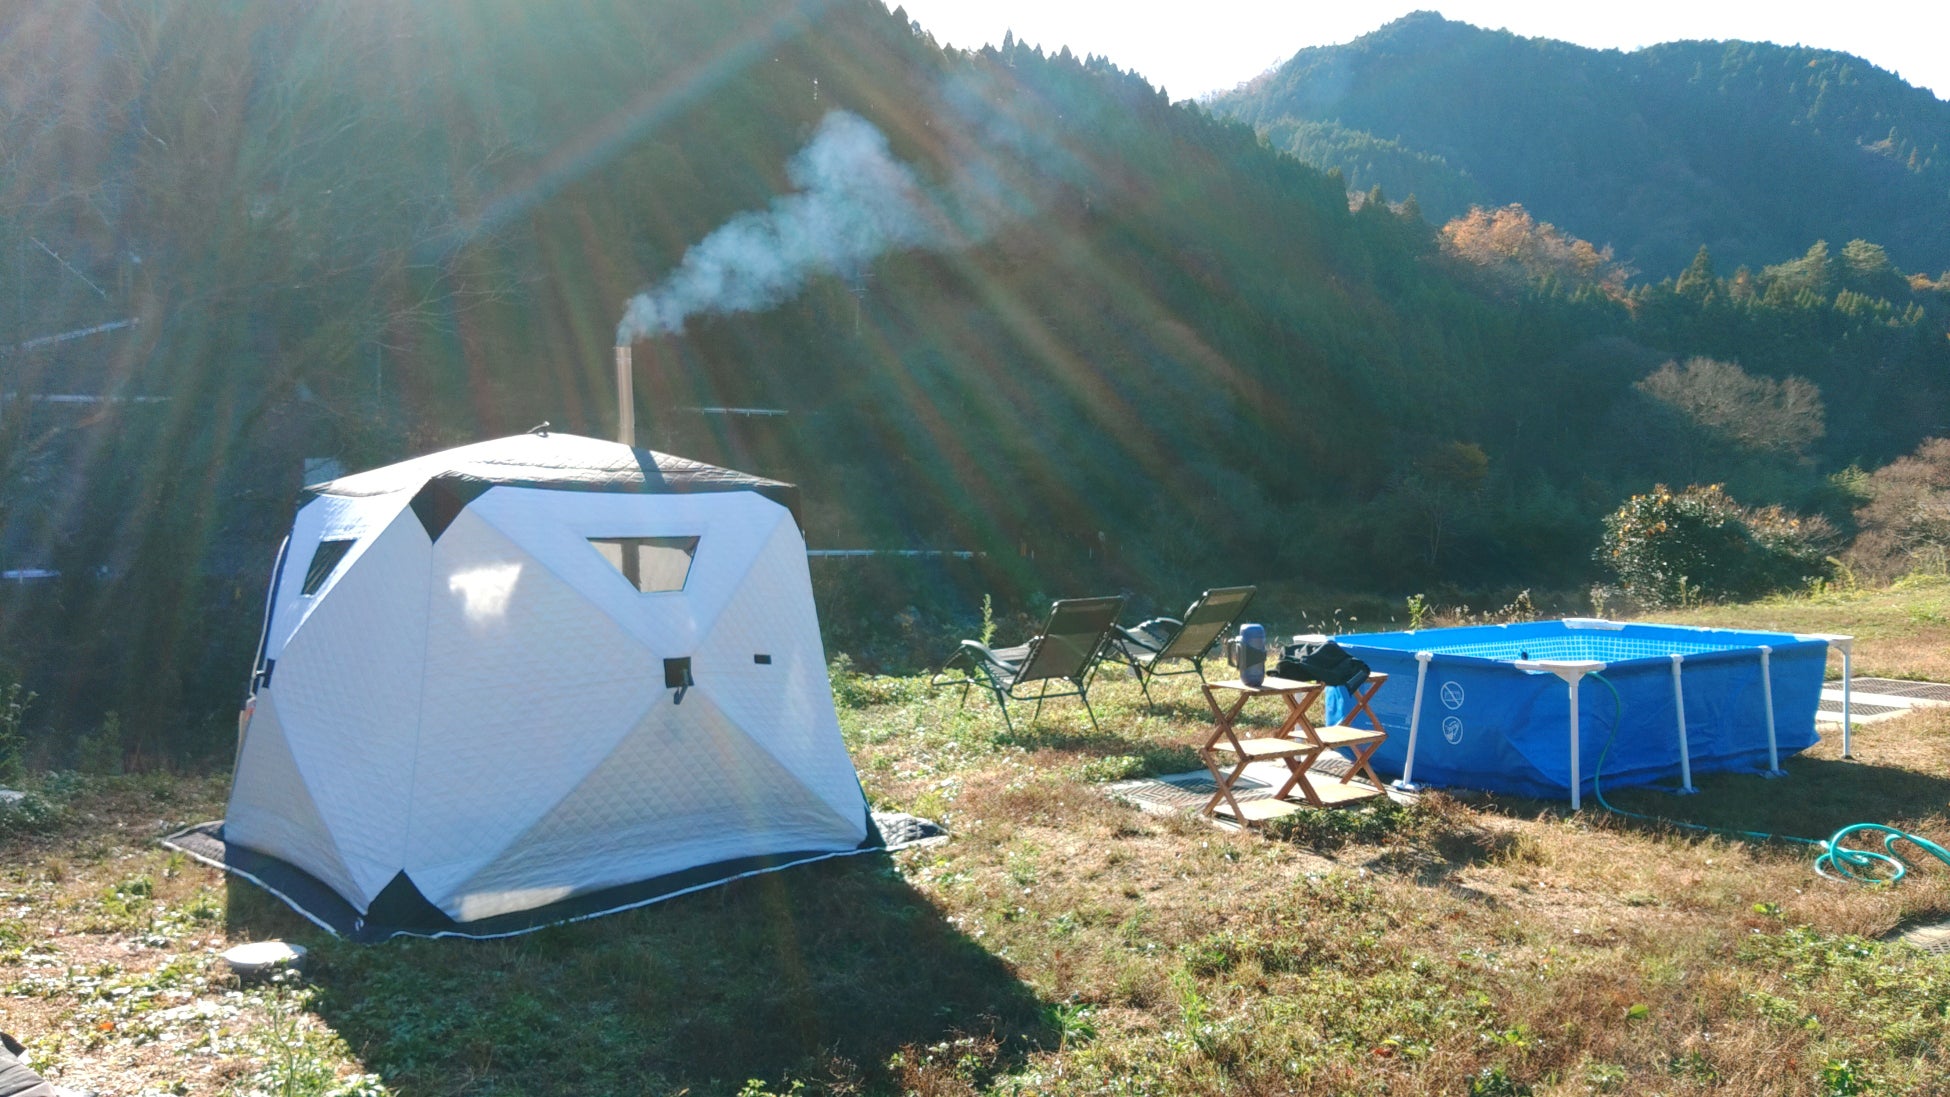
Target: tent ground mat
324	907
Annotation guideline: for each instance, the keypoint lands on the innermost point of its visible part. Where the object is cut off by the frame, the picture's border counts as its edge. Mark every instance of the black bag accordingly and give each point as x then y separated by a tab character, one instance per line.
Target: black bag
1325	662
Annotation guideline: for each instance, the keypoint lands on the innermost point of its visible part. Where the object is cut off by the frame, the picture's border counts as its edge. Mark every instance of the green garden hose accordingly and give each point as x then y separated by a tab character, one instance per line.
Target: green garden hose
1836	861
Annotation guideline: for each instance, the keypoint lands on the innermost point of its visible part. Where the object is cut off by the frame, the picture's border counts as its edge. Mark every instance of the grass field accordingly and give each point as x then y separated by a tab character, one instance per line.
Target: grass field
1064	942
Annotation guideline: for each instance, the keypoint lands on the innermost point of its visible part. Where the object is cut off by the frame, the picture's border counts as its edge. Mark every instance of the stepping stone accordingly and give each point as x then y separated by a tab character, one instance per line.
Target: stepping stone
1172	793
1931	938
261	958
1873	700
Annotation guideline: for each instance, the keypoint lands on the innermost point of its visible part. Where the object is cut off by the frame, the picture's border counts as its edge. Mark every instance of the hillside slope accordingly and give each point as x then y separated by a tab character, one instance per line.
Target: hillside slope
1752	149
1108	342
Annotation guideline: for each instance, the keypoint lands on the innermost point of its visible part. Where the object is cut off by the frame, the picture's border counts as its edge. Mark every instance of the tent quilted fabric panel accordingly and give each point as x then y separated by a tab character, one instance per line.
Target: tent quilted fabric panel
687	787
786	706
554	528
360	521
347	686
272	810
528	687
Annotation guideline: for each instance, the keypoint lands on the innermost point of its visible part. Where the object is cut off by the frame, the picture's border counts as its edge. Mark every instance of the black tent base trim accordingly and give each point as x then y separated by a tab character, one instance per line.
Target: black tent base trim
401	911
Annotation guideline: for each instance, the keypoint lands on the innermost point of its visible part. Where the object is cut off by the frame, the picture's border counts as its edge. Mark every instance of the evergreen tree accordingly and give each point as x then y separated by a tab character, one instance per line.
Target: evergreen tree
1698	280
1811	274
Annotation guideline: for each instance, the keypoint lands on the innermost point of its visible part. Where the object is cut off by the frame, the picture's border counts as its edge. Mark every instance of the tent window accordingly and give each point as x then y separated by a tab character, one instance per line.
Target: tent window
324	560
651	564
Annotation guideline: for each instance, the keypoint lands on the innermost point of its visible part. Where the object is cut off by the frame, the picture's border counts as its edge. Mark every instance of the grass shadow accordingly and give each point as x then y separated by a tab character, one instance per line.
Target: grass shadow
1106	756
1818	797
837	974
1193	718
1433	862
1426	840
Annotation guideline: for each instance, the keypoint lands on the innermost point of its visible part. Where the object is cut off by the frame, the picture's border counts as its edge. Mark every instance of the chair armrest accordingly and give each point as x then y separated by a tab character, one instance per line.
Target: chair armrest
1154	634
981	655
971	658
1129	641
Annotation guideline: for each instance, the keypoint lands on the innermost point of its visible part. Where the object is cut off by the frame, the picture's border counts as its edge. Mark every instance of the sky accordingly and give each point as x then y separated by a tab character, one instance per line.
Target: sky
1191	47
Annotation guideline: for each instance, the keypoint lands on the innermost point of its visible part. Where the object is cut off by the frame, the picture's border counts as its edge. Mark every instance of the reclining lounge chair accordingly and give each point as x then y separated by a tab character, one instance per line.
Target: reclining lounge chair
1066	651
1190	641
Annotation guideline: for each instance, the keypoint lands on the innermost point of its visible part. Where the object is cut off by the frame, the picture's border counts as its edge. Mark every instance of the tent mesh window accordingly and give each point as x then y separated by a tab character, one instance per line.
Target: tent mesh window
651	564
324	560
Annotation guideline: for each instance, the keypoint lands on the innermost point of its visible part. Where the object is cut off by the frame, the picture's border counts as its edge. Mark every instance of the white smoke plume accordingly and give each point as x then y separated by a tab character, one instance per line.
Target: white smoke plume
853	201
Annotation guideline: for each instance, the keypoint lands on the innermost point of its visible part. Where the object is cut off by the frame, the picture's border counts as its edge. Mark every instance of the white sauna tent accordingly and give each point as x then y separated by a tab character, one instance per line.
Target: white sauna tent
532	680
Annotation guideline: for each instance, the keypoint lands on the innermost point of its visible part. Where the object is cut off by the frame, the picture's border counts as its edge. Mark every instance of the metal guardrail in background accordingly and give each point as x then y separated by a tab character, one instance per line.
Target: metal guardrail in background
958	554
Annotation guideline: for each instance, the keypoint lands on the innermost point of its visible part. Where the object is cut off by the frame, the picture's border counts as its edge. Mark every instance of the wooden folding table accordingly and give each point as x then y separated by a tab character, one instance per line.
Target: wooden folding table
1298	753
1361	742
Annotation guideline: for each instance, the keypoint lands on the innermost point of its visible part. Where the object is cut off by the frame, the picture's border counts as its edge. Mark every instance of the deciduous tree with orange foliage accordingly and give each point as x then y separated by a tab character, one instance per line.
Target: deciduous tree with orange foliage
1511	242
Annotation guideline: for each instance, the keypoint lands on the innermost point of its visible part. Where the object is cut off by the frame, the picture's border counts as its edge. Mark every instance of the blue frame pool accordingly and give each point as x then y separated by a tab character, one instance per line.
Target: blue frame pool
1496	702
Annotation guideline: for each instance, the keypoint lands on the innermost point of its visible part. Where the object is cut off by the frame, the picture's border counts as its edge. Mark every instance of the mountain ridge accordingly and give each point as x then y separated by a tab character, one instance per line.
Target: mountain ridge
1752	149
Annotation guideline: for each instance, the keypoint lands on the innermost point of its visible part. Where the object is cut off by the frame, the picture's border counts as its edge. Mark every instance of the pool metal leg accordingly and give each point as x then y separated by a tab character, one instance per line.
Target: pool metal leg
1572	671
1685	752
1767	695
1847	644
1407	781
1577	771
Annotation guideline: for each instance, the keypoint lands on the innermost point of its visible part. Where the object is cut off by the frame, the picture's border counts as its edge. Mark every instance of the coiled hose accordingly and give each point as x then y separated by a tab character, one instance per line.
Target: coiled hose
1835	861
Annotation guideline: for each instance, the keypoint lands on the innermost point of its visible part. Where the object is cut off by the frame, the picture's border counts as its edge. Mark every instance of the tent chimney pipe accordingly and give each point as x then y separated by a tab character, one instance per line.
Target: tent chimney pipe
625	398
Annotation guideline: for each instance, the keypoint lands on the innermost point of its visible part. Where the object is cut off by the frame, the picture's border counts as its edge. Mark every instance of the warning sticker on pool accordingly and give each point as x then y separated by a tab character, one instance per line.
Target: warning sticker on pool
1452	696
1452	729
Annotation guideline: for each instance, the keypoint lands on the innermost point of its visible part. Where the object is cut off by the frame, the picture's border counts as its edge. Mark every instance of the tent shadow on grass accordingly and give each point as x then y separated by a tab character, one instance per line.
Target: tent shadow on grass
823	972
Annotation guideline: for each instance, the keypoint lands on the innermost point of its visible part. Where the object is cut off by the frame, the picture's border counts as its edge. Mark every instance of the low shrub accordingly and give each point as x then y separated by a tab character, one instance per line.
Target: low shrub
1678	547
1332	828
29	814
854	690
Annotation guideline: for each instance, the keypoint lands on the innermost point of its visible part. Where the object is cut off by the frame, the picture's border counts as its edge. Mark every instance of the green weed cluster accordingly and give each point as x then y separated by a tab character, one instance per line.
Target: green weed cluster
1431	823
1150	761
853	689
14	700
32	813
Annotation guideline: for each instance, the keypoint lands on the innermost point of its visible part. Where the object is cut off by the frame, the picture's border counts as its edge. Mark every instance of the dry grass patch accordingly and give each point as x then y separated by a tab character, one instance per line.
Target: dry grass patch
1485	948
1901	631
108	949
1063	942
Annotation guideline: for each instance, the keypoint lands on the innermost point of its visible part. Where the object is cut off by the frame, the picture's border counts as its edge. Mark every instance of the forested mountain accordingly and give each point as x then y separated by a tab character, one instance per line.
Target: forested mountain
1108	341
1751	149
